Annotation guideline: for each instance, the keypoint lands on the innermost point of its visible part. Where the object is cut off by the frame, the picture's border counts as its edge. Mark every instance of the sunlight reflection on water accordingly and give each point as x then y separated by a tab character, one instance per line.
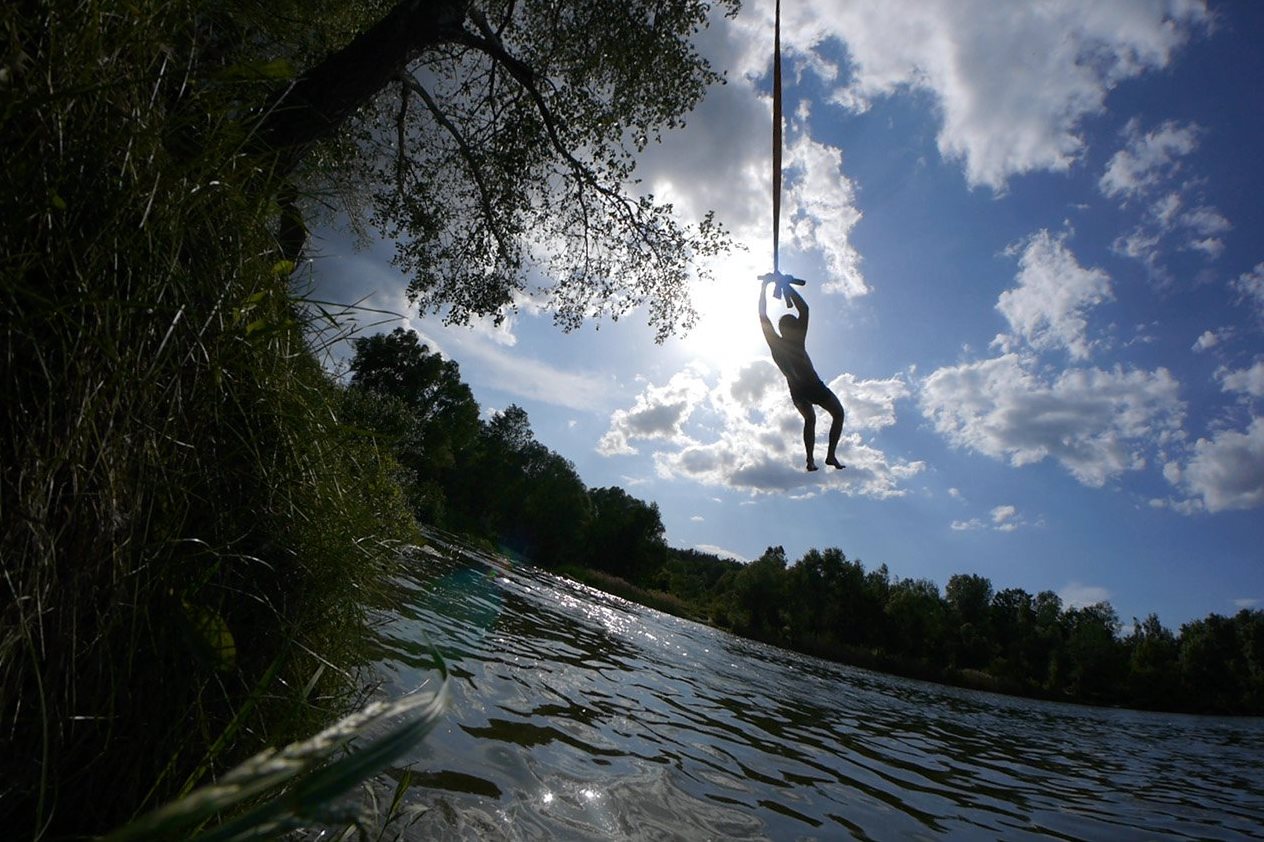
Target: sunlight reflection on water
577	715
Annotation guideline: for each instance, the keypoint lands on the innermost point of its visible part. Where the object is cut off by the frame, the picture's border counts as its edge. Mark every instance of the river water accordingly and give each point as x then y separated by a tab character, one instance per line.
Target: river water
578	715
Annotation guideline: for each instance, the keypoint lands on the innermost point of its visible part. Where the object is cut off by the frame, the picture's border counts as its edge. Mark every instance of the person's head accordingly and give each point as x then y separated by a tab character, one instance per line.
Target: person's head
790	326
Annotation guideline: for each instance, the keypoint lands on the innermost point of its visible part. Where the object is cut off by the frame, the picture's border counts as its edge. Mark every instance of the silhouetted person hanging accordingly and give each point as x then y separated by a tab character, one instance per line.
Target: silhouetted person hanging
806	387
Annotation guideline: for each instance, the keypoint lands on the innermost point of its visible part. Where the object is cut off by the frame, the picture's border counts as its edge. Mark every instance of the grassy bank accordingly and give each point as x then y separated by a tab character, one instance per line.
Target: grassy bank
182	515
658	600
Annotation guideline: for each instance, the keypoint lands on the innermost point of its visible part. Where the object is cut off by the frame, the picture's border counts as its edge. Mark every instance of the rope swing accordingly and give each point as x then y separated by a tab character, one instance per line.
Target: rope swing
789	352
780	280
776	140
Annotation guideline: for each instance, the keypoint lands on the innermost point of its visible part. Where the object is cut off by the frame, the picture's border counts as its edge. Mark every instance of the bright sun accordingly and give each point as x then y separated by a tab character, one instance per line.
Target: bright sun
727	334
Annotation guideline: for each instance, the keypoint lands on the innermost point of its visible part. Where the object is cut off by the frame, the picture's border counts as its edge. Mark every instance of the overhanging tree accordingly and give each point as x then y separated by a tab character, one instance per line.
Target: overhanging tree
497	141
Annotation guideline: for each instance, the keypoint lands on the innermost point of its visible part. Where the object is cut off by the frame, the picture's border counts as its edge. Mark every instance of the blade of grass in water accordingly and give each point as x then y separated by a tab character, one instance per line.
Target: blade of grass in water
302	778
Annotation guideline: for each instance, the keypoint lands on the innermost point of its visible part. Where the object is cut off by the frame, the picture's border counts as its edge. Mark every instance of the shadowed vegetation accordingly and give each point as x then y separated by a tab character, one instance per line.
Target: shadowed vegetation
181	514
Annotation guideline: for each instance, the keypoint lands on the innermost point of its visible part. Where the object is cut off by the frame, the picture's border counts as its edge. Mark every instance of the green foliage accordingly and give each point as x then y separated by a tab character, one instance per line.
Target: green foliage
757	602
490	478
1219	661
1153	668
835	603
625	536
418	406
969	600
441	407
186	502
511	145
694	576
1095	660
917	618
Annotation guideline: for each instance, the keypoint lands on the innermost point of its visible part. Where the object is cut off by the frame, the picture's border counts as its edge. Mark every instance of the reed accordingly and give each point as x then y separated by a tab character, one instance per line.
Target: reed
300	785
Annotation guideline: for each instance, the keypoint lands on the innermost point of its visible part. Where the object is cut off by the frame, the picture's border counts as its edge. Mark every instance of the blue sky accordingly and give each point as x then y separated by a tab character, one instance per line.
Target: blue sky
1032	239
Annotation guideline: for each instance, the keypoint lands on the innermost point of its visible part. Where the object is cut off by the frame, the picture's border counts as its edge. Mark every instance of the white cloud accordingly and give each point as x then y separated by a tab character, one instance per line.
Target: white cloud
870	404
1013	81
743	433
721	552
1225	471
1197	229
1184	507
1047	308
1202	225
1001	519
1250	288
1147	159
1210	246
1150	164
696	519
1095	423
821	213
517	374
1143	334
1246	602
720	160
1248	381
1078	595
1004	518
658	413
1211	338
1205	220
1163	228
1141	244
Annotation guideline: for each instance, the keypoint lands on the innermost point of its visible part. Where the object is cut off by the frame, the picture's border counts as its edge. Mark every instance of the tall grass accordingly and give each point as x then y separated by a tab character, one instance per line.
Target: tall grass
183	523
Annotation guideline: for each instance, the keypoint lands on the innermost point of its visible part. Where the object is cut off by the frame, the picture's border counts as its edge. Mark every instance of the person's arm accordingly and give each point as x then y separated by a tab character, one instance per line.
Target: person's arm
770	335
800	305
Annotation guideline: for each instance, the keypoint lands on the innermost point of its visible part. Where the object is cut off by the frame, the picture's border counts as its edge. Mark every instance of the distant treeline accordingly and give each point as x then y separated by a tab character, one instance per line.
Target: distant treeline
493	478
1007	640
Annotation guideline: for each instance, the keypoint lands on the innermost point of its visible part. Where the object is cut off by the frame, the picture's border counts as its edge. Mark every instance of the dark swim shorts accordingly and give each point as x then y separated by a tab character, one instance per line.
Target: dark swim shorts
814	392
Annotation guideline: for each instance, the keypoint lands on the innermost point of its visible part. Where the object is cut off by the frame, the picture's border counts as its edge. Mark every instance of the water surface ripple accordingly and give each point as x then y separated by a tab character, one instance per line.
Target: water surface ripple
577	715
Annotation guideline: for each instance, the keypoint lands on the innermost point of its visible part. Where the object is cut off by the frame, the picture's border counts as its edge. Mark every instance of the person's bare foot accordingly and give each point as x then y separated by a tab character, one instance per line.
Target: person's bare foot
833	460
812	465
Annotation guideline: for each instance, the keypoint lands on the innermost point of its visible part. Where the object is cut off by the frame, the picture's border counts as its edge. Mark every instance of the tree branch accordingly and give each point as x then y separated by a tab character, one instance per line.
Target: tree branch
467	154
491	44
401	160
316	105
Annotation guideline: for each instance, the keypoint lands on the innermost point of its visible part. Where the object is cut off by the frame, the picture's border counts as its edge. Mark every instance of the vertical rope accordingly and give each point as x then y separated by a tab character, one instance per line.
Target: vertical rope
776	138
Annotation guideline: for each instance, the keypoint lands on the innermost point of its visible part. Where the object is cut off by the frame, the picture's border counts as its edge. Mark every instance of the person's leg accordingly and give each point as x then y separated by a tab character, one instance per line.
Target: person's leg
835	408
808	411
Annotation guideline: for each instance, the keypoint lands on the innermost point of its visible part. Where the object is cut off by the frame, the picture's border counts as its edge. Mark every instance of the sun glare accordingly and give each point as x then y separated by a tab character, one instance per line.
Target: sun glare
727	335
